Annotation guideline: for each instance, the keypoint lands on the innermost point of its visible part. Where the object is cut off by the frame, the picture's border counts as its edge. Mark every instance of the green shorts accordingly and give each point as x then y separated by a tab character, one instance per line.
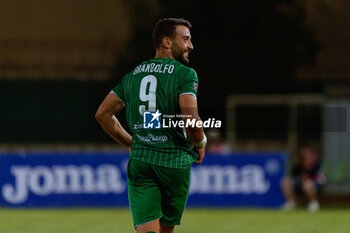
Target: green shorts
157	192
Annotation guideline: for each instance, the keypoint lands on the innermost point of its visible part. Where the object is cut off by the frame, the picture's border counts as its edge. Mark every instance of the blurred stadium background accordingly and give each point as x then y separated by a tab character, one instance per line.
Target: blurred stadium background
277	73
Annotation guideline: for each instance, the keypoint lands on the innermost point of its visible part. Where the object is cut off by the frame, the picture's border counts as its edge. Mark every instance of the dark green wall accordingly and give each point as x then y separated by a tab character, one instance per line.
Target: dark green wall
44	112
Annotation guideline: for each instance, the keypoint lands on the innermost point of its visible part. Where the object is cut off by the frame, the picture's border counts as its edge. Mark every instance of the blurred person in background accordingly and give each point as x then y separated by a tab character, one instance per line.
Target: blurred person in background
306	179
216	144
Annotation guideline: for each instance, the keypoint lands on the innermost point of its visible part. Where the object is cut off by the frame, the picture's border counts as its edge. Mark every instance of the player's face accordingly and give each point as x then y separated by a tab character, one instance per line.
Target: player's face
182	44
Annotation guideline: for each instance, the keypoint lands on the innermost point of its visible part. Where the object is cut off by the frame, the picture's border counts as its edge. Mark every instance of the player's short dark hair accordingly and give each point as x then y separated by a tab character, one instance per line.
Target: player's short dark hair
166	27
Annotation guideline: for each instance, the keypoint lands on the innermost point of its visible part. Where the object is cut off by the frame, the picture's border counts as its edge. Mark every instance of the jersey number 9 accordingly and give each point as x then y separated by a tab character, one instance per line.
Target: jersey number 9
148	94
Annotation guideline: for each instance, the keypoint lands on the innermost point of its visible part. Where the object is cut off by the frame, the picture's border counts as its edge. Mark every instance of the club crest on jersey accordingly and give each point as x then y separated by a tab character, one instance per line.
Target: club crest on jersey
151	120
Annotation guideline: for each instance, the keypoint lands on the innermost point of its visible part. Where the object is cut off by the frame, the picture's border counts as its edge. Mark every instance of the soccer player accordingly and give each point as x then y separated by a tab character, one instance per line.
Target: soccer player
160	157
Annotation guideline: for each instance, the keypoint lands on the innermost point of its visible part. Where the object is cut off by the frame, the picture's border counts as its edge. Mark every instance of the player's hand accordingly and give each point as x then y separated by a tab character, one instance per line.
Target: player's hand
200	155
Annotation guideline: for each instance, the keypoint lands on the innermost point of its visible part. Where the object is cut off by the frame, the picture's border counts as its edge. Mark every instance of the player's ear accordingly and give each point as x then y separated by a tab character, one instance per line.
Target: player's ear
167	42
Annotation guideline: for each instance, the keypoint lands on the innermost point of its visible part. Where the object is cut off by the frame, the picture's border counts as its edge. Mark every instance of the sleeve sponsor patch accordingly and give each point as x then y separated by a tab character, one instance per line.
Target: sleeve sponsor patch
195	86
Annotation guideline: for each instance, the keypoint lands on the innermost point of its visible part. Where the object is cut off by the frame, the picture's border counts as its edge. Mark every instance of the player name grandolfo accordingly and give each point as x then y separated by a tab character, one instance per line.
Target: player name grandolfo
188	123
152	67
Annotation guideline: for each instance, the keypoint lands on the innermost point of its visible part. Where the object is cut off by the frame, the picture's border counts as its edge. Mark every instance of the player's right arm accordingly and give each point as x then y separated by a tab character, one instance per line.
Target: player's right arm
105	116
189	109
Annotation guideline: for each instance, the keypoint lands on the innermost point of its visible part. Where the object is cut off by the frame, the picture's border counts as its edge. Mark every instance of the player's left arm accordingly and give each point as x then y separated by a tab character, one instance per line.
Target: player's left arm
188	106
105	116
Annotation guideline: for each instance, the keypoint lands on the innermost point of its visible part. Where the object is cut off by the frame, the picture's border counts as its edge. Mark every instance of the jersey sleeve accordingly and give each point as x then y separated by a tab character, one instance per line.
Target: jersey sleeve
190	84
119	90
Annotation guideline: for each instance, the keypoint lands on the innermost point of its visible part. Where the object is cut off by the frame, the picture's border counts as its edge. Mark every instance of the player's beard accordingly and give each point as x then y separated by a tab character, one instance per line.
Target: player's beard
179	54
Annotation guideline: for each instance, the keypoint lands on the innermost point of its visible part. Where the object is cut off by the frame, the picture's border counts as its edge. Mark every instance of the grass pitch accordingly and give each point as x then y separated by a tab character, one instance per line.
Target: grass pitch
194	220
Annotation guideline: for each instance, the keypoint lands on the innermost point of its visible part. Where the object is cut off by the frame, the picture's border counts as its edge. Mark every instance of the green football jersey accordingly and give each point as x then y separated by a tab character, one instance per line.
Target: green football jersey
151	93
